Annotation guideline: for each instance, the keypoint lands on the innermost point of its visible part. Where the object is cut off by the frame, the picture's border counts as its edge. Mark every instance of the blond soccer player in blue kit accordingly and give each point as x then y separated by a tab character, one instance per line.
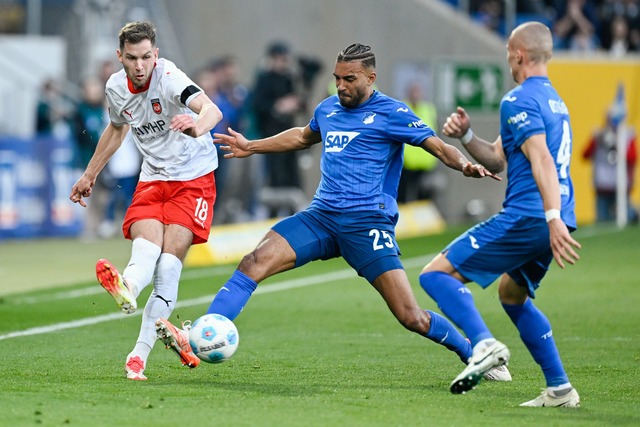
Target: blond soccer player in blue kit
518	244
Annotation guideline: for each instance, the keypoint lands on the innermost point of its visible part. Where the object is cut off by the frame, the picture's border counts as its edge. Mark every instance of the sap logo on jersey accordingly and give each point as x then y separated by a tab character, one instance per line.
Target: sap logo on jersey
337	141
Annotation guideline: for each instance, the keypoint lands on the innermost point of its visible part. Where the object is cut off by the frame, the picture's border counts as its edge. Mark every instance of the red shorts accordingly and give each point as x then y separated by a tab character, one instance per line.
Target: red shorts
186	203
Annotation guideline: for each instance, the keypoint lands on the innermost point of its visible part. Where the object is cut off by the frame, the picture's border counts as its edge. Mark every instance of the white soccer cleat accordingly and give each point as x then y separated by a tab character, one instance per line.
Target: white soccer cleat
134	369
546	399
112	282
482	361
500	373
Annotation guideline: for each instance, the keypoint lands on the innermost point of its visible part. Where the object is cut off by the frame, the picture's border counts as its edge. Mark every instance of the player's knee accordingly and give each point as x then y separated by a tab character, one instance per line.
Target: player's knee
512	294
414	320
255	265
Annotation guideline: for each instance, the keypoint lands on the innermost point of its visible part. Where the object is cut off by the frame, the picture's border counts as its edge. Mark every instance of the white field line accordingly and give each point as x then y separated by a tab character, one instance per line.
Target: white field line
274	287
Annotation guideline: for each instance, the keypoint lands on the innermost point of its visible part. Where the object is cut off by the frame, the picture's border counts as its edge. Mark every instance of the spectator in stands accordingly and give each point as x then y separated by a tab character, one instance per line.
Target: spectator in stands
488	13
123	169
619	37
53	112
612	27
418	165
236	181
89	121
576	26
276	105
602	151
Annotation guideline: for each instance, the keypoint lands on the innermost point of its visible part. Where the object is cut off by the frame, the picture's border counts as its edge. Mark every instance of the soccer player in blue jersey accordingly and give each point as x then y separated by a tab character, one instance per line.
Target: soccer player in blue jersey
519	243
354	211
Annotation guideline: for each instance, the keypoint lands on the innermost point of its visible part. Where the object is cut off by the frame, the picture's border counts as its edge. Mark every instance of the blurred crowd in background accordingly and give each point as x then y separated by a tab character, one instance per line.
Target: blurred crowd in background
577	25
277	98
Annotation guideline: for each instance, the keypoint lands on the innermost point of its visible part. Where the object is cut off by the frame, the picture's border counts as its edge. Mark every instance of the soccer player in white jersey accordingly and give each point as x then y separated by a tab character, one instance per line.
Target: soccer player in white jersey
169	118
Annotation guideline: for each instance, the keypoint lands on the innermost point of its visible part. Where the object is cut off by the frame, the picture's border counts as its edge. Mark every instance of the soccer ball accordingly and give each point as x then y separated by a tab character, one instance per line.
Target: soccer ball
213	338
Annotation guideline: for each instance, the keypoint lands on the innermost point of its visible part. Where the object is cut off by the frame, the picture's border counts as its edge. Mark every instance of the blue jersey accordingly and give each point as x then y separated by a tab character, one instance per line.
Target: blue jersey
530	109
362	152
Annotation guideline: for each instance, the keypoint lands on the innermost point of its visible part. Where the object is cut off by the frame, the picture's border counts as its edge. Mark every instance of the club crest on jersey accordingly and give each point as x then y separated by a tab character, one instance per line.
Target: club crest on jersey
155	104
368	117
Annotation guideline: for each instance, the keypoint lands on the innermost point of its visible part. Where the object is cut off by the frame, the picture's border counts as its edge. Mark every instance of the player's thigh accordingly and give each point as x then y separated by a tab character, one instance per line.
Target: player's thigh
146	204
148	229
501	244
190	204
177	240
367	242
310	236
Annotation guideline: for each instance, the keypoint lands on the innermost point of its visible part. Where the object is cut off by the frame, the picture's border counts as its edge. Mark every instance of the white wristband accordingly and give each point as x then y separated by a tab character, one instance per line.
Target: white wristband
552	214
467	137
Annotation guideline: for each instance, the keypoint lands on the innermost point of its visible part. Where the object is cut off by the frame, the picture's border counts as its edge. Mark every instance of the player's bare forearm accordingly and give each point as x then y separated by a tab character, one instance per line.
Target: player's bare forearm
490	154
209	115
453	158
294	139
236	145
108	144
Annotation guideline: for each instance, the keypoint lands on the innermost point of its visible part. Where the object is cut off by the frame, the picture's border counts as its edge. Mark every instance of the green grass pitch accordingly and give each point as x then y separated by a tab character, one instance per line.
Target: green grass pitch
318	347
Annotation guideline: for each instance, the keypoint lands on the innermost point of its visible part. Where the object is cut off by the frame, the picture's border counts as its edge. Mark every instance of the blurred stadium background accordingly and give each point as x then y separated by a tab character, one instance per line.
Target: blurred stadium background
458	60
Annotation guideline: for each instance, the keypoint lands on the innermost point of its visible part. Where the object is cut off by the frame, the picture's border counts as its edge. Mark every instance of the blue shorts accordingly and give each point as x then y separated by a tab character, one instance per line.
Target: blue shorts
505	243
365	239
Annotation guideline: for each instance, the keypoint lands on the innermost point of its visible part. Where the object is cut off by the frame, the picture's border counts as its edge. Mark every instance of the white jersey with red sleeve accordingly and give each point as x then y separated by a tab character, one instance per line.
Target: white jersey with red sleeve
166	155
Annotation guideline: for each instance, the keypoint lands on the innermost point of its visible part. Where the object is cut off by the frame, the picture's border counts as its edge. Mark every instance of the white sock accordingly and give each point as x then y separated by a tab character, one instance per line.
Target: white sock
163	298
142	264
141	350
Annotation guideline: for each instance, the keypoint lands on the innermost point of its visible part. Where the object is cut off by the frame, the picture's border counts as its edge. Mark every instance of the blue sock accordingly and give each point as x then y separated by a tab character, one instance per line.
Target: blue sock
456	302
444	333
535	331
232	297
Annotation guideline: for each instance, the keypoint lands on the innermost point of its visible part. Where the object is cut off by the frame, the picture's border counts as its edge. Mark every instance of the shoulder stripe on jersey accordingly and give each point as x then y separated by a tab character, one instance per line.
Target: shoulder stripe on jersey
190	90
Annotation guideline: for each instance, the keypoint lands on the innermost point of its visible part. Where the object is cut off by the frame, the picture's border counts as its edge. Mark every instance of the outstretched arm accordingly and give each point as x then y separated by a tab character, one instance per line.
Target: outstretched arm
452	157
490	154
236	145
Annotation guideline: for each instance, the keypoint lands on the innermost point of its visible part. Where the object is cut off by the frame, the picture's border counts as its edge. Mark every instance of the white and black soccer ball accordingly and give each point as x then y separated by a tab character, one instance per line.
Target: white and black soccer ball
213	338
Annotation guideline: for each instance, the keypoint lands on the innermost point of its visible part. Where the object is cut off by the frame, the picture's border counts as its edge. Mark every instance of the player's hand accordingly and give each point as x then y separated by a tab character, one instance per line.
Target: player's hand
82	188
478	171
563	245
457	124
235	144
184	123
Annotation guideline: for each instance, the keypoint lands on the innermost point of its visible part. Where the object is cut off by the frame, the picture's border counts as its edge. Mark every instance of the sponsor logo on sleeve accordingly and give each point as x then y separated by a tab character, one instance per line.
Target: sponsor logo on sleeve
520	119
